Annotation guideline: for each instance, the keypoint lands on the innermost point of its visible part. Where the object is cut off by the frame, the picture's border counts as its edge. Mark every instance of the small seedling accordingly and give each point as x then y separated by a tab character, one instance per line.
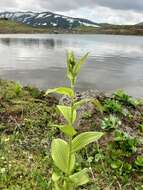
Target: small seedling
87	115
17	89
63	152
126	99
140	127
139	161
126	142
110	122
113	106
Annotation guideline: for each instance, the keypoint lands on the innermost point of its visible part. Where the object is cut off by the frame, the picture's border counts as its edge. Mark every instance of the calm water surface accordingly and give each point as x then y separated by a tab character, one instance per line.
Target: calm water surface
115	62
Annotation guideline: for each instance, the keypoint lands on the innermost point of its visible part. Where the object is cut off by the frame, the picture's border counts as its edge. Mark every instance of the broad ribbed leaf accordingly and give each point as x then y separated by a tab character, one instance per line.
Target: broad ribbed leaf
60	155
67	129
80	178
67	112
62	90
84	139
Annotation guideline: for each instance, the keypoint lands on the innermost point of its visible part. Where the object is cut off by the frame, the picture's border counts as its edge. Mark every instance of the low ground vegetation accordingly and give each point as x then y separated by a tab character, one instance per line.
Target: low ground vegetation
26	115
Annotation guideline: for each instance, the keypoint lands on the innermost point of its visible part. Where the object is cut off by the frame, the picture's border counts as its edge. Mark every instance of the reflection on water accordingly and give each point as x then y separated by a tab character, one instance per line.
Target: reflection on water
114	61
30	42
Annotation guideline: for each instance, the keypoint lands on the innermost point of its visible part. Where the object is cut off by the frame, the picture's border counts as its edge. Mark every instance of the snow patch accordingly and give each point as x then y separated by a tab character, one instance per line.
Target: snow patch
57	16
87	24
54	24
44	24
70	20
41	15
47	15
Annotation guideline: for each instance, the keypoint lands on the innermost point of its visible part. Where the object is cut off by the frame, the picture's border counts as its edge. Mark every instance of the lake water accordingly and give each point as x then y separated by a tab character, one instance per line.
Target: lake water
115	62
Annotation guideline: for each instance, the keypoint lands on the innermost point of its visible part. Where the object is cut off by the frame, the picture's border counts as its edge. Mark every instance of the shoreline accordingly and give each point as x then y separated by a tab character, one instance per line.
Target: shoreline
75	33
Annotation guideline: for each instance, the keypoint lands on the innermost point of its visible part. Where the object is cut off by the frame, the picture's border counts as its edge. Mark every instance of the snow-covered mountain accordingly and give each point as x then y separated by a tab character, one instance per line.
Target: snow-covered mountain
47	19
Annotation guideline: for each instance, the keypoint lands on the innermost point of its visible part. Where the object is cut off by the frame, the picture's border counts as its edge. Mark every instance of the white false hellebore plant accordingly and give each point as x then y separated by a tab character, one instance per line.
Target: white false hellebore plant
63	153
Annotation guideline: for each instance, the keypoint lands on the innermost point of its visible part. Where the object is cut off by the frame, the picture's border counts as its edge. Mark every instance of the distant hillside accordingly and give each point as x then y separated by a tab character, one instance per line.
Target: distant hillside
139	24
112	29
8	26
47	19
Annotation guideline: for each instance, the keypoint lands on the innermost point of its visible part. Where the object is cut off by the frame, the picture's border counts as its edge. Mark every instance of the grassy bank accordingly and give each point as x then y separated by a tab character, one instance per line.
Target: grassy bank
116	162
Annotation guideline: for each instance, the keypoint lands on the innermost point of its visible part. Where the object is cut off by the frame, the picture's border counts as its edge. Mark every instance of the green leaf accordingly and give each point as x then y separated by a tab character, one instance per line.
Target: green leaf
57	186
60	155
140	126
95	102
81	102
116	164
80	178
98	105
62	90
67	113
79	63
67	129
67	185
84	139
73	66
139	161
71	61
55	177
70	65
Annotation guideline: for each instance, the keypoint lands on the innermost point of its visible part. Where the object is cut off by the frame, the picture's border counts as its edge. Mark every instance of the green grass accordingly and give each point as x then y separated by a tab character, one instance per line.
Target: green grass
26	134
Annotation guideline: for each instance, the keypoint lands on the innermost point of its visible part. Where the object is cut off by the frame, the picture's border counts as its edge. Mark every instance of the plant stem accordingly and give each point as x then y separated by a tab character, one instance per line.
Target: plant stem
69	163
70	141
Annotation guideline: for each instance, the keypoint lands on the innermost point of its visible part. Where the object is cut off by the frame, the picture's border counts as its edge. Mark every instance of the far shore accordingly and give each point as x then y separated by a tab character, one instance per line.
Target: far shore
11	27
